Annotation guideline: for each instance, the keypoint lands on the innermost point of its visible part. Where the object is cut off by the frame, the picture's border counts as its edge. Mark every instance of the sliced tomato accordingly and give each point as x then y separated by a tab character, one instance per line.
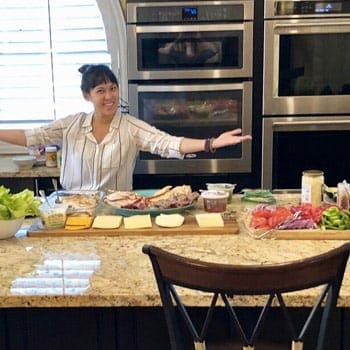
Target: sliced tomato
264	213
258	222
308	211
275	220
283	211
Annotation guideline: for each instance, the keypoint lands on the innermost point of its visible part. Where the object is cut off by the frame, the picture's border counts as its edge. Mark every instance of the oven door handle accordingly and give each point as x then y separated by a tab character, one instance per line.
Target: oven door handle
192	28
329	27
310	124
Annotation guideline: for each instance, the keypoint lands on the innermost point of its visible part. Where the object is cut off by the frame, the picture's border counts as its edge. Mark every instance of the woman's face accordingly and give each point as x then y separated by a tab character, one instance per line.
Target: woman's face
105	98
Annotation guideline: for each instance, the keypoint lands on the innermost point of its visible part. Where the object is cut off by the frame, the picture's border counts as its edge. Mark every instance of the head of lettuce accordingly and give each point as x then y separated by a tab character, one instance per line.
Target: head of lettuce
18	205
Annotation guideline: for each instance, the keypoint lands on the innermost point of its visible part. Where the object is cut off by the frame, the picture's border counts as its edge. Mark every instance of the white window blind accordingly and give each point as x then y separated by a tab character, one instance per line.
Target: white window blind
42	45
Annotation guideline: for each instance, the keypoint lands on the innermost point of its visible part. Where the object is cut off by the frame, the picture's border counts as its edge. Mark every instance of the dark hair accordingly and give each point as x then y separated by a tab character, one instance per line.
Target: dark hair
95	74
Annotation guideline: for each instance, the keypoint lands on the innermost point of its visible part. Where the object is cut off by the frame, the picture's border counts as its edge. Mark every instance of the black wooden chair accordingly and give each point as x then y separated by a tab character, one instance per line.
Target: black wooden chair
227	281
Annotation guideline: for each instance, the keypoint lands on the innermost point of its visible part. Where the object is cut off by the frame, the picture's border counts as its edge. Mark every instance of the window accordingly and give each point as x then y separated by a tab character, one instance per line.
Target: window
42	45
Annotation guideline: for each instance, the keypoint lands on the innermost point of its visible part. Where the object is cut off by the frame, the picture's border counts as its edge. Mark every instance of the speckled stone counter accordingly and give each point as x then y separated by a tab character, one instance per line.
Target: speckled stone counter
112	271
9	169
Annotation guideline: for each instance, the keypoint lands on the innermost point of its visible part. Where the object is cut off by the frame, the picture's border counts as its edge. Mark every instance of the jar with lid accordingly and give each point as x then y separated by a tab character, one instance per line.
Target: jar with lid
312	184
51	156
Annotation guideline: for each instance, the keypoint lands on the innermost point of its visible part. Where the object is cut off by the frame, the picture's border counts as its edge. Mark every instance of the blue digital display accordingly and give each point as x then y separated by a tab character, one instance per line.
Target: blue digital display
327	7
189	13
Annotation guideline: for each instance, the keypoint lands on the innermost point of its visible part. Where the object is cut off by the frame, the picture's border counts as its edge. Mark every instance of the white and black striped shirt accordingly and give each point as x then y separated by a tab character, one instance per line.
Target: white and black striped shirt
88	165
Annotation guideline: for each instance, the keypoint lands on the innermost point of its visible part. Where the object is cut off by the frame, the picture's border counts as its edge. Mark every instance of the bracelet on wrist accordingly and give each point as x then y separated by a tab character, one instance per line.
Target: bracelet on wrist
208	145
211	148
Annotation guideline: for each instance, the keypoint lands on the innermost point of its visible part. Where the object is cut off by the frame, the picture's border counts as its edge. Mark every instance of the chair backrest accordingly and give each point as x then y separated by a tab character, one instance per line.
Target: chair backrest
225	281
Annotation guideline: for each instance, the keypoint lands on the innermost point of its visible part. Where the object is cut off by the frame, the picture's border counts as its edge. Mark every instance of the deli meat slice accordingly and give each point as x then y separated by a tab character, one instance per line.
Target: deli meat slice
165	198
122	199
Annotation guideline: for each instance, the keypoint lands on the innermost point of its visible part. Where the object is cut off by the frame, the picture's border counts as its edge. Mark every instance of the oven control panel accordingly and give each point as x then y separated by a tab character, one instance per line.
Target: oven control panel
310	7
192	12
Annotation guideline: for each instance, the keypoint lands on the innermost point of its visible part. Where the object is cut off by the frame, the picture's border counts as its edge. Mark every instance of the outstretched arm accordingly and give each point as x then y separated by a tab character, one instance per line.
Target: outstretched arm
14	136
227	138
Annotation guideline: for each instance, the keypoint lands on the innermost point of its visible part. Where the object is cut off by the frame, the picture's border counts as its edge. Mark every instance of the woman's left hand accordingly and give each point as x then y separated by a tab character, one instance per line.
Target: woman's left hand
229	138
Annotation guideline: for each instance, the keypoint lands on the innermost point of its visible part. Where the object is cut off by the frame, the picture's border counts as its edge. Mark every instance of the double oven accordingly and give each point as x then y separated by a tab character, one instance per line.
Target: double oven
190	74
306	91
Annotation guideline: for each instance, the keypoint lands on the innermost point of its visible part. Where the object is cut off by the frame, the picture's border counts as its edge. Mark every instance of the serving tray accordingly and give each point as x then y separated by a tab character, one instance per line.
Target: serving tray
316	234
189	227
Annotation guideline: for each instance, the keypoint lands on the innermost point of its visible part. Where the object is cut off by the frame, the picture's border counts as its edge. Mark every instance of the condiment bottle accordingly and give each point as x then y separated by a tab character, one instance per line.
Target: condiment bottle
51	156
312	184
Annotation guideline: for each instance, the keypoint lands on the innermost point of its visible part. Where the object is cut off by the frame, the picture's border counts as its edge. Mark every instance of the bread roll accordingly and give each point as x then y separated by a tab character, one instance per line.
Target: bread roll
169	220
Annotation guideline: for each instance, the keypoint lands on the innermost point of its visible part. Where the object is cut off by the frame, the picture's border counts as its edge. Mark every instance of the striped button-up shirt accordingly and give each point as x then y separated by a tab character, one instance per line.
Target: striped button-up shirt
88	165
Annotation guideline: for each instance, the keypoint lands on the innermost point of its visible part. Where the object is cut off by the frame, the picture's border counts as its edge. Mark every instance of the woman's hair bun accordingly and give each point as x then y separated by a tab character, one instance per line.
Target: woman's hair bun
84	68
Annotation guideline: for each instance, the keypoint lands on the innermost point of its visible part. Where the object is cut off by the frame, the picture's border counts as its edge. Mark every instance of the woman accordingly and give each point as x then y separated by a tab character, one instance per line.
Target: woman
99	149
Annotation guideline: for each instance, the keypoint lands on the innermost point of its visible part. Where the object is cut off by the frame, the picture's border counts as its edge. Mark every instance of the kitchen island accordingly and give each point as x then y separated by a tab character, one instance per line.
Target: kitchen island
111	273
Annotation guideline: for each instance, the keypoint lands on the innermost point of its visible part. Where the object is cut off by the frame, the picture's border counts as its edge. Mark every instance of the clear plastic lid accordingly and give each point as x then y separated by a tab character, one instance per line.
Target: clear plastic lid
50	149
212	194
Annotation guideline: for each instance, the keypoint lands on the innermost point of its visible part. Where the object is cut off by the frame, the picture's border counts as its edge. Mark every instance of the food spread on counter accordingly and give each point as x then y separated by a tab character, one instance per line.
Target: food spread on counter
74	214
167	197
303	216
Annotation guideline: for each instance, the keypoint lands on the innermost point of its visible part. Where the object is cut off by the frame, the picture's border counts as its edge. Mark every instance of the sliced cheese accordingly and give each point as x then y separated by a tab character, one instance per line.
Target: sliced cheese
169	220
75	227
210	220
138	221
79	221
107	221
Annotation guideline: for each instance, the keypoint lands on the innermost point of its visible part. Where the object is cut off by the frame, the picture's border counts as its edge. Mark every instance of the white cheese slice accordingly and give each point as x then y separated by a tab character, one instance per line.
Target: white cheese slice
107	221
138	221
210	220
169	220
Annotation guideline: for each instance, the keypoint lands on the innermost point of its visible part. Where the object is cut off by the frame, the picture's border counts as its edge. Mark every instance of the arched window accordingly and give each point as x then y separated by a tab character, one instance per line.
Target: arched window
42	45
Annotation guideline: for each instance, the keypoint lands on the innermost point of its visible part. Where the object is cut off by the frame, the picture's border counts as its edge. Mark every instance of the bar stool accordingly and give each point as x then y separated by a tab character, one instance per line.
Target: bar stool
225	281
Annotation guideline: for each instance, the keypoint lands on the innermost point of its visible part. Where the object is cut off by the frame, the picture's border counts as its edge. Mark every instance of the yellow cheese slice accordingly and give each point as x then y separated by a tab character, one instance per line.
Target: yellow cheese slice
107	221
169	220
75	228
81	221
138	221
210	220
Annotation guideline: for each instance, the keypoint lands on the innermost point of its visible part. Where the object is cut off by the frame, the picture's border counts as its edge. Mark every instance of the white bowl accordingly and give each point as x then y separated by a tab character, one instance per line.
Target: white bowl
8	228
24	162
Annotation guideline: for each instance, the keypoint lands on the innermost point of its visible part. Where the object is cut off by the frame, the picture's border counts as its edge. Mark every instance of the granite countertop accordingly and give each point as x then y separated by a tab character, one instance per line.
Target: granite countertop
10	169
113	271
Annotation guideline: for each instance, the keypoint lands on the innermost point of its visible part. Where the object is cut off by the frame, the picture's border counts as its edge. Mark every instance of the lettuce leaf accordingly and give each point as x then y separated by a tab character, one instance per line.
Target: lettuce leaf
18	205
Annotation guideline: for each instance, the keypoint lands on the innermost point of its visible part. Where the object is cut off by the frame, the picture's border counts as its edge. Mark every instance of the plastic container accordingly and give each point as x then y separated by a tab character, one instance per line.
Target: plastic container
312	185
51	156
53	217
214	201
229	188
343	195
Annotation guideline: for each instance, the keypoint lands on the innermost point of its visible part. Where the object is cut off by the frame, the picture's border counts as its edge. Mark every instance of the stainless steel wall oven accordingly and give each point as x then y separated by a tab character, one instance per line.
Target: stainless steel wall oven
306	57
196	110
294	144
190	67
306	90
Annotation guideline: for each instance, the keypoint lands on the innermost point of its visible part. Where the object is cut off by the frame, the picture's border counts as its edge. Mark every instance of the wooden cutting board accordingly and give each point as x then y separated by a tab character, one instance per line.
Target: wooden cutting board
189	227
